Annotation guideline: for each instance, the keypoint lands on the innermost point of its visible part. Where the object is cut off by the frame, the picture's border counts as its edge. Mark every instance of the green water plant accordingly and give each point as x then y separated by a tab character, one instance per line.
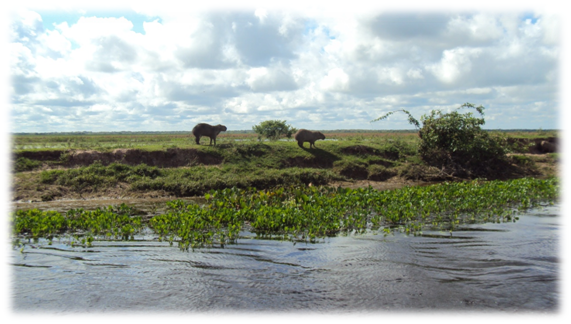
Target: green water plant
300	213
310	213
193	226
113	222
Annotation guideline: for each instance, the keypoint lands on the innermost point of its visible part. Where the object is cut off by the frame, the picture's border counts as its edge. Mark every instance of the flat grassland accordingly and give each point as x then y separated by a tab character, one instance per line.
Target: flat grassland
71	166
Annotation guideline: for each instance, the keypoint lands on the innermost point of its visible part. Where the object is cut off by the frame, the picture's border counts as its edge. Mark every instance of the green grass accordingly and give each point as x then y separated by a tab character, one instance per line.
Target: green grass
24	164
245	163
110	141
261	165
182	181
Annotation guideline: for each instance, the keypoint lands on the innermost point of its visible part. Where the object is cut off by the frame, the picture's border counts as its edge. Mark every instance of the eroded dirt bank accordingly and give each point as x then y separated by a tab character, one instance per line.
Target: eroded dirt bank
170	158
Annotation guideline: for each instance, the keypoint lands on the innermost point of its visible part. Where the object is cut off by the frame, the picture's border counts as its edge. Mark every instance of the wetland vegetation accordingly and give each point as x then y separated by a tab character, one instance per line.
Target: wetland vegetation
275	189
293	213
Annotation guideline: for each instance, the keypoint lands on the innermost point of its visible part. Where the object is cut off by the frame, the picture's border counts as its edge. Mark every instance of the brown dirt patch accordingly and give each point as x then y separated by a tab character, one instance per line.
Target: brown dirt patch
382	175
355	172
305	162
171	158
165	159
393	183
40	155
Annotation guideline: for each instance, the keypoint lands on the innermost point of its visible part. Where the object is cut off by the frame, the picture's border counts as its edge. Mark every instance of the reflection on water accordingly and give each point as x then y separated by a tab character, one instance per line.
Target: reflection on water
496	267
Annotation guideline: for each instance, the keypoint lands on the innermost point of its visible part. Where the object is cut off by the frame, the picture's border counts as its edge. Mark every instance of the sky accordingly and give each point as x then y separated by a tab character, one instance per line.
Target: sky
143	67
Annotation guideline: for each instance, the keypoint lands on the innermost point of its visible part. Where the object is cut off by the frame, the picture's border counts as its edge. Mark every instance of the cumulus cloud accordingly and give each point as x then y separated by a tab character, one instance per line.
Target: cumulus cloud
406	26
273	79
454	64
319	69
335	80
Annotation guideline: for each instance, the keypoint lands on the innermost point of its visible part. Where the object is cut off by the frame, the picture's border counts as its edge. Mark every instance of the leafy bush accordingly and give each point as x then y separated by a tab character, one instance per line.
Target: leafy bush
456	143
274	129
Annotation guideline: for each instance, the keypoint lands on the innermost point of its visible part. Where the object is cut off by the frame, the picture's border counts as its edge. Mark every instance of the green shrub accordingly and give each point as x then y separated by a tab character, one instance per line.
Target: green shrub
274	129
456	144
456	141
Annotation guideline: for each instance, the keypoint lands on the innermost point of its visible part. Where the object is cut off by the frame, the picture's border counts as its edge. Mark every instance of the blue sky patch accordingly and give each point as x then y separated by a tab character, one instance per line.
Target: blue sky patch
310	26
531	17
51	18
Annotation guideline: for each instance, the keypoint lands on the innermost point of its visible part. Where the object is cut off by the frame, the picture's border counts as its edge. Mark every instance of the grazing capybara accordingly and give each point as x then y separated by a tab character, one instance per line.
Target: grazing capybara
548	147
304	135
203	129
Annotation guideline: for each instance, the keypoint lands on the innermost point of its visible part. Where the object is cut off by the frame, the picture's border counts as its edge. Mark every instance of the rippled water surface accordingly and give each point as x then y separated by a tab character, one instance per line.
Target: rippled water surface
497	267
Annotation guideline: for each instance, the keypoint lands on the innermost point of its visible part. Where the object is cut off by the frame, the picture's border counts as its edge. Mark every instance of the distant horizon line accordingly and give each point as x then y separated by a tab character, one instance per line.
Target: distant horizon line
245	131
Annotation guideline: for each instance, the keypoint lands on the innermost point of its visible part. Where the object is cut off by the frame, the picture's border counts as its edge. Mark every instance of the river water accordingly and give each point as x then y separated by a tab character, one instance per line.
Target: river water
504	267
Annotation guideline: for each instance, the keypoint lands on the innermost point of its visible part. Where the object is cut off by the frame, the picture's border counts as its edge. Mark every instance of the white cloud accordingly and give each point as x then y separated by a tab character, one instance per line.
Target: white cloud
89	28
551	26
317	68
269	79
415	73
477	28
454	64
335	80
261	14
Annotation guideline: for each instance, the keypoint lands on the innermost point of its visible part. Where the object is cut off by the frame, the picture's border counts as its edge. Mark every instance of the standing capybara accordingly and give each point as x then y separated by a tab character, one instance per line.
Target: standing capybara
304	135
207	130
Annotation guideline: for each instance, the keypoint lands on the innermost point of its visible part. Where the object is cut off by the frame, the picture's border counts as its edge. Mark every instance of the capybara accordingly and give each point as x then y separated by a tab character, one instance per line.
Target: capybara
203	129
548	147
304	135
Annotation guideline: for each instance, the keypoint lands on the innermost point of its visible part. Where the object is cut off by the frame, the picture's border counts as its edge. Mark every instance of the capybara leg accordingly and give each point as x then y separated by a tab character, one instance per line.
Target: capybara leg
300	144
197	138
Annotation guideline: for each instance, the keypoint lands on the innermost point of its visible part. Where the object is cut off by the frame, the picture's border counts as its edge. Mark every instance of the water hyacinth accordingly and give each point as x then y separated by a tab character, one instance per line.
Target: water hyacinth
304	213
193	226
107	223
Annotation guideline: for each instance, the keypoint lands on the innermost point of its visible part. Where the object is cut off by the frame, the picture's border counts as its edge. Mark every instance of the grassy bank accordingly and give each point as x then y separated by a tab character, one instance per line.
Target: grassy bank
111	141
260	165
42	174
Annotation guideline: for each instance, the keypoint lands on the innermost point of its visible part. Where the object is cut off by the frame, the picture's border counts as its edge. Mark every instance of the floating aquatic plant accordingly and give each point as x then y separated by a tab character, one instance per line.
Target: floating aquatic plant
302	213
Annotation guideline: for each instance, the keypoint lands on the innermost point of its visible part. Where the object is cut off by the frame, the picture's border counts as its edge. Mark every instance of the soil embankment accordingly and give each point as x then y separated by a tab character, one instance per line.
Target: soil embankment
255	165
179	157
171	158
